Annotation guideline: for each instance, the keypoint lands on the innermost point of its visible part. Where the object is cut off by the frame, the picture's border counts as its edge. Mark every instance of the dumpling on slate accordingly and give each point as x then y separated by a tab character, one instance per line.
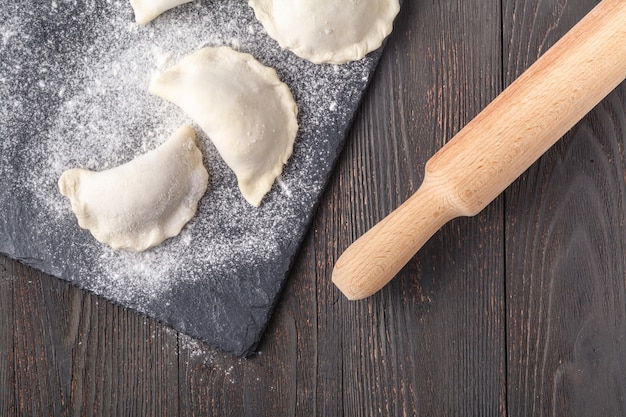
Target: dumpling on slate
139	204
147	10
243	107
327	31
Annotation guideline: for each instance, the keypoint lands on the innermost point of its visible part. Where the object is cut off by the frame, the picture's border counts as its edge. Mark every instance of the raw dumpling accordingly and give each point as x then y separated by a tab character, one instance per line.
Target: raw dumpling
140	204
146	10
246	111
327	31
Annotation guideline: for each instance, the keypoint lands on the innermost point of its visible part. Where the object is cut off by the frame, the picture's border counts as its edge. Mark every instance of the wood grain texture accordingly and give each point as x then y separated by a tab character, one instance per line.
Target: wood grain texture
407	346
566	248
518	311
7	334
74	354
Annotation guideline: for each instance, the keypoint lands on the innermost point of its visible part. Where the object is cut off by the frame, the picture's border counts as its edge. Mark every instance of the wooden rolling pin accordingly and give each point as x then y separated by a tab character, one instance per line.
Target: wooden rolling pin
497	146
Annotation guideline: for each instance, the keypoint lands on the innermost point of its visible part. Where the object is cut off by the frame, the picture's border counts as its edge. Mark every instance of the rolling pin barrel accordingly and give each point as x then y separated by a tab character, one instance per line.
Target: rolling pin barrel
497	146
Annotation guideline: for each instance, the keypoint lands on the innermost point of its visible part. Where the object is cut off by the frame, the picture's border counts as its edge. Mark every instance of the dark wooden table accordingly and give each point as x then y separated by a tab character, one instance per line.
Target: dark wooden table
519	311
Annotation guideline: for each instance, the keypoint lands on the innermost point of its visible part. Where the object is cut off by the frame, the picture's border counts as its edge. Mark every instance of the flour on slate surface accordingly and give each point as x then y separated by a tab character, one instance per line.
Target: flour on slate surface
103	116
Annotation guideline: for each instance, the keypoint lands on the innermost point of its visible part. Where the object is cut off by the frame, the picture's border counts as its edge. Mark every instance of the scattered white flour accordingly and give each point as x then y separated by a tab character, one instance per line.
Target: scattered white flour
97	114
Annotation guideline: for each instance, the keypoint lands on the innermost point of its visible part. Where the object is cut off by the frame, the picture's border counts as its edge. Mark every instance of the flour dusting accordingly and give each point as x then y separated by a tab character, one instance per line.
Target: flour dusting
74	83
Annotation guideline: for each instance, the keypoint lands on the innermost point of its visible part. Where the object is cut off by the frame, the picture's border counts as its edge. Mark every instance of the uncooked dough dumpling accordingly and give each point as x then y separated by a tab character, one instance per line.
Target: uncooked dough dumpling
327	31
247	112
147	10
138	205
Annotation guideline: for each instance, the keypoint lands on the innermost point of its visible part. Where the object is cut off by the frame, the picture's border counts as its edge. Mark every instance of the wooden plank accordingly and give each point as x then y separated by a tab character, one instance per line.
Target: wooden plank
566	245
8	276
76	354
124	363
431	342
40	389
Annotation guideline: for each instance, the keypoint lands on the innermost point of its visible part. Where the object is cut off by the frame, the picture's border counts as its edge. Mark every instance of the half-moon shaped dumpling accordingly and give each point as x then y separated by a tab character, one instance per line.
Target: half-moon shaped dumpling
246	111
327	31
147	10
140	204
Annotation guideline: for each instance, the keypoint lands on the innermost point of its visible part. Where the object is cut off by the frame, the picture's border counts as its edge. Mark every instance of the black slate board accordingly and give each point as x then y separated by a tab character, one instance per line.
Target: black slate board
73	81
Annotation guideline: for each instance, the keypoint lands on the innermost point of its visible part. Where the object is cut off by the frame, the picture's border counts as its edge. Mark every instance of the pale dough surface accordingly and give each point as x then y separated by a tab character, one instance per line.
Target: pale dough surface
247	112
138	205
327	31
147	10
